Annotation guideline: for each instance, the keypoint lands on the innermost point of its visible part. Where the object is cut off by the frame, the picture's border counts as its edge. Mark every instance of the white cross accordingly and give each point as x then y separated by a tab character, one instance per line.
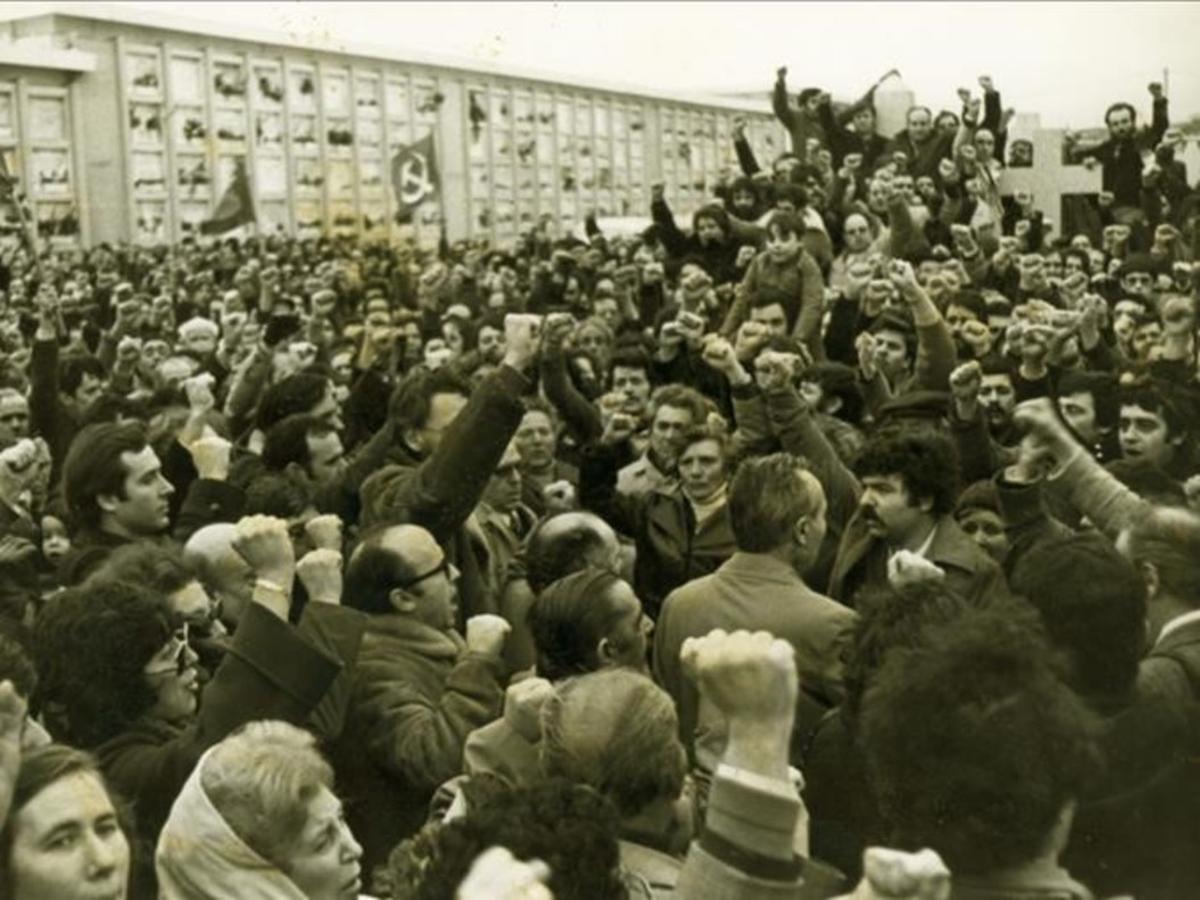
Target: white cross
1049	180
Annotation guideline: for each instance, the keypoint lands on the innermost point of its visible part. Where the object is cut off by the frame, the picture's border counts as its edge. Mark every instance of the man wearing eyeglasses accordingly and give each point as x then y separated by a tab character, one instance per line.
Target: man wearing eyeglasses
449	440
417	688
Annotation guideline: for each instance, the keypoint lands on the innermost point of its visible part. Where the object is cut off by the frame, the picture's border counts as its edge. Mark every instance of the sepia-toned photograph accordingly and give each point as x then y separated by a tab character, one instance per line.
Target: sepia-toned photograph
599	450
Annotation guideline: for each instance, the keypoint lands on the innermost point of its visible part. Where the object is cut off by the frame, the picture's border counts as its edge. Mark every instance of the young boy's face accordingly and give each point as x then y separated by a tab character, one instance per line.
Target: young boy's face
708	231
782	243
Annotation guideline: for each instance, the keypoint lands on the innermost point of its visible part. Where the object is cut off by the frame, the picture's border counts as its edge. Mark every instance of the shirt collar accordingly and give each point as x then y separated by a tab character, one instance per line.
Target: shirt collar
1176	623
923	550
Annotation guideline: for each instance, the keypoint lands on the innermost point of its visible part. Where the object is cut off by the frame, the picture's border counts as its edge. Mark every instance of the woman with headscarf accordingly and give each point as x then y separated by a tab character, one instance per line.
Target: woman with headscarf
258	820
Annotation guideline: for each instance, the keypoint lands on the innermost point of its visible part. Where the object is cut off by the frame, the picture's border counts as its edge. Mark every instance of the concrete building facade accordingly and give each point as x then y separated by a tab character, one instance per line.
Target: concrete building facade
120	128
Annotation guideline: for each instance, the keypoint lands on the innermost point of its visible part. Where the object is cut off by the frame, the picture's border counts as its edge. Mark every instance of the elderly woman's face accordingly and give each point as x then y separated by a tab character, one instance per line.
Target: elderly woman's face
68	845
325	862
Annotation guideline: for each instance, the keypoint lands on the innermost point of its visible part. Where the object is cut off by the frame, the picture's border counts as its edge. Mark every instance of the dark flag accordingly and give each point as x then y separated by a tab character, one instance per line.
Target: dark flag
236	207
414	177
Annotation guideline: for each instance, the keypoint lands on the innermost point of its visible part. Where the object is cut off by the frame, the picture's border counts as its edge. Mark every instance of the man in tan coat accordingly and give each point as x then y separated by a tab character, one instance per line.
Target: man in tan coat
778	513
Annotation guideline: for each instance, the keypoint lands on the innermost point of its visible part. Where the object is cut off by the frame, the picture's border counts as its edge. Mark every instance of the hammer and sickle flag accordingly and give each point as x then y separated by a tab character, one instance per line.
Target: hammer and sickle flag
415	177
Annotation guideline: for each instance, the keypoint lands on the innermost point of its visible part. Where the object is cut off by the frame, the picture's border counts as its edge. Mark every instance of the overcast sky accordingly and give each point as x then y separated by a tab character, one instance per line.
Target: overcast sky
1067	61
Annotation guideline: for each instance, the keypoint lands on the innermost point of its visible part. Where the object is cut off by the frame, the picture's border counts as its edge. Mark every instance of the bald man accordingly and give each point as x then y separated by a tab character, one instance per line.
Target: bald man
229	580
558	546
417	687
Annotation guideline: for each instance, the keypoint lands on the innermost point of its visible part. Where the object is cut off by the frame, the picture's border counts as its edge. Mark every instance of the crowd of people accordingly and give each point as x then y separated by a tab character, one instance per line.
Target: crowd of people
845	542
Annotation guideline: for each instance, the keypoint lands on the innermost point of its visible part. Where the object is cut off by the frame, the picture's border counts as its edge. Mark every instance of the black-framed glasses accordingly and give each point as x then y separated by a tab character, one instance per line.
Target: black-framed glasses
179	651
442	569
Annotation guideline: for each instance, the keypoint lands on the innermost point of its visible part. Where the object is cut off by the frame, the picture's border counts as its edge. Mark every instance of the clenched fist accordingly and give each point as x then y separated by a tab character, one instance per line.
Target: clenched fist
320	571
263	542
486	634
325	532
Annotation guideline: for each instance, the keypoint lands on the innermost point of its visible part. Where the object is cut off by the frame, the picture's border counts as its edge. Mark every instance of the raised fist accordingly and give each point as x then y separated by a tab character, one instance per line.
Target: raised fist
498	875
896	875
750	338
719	353
210	455
559	496
199	393
325	532
521	333
263	542
747	676
901	274
320	571
865	347
906	568
773	370
486	634
965	381
978	337
619	428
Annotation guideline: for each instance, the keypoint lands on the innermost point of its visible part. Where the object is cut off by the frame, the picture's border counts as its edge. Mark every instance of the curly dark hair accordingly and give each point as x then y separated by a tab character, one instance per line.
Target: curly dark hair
925	460
974	746
571	828
90	646
158	567
891	618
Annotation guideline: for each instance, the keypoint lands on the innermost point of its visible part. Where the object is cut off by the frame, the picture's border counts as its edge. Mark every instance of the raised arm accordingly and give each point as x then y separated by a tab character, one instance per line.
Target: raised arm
445	488
668	232
779	101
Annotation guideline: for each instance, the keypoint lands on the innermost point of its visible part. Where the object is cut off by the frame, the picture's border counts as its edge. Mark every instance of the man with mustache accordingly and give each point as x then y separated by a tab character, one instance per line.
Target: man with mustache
906	484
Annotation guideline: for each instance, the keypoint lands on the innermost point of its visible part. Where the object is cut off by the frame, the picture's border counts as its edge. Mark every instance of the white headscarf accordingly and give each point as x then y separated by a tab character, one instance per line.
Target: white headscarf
200	858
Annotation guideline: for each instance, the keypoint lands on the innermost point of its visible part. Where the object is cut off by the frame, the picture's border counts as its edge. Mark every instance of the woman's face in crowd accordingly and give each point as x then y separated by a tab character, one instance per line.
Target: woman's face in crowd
702	469
172	674
68	845
325	863
986	529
